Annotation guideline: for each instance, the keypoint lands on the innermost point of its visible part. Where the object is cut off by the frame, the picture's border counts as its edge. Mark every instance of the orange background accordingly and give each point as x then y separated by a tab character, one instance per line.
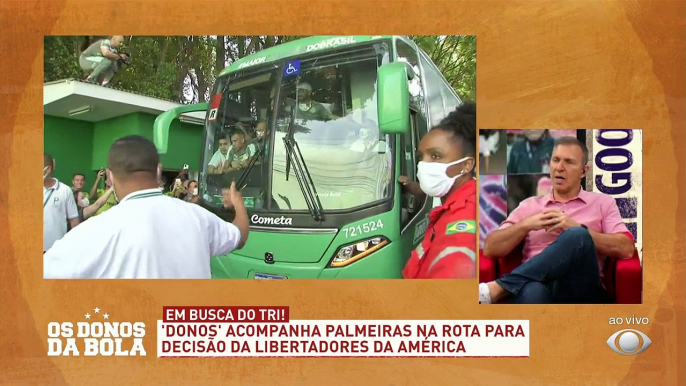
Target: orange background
541	64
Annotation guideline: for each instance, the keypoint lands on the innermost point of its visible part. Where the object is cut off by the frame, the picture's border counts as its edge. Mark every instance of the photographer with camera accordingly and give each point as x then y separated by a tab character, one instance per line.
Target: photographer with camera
102	60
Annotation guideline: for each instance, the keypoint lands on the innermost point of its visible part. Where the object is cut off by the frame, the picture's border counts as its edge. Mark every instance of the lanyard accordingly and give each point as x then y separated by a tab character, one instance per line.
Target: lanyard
47	199
52	190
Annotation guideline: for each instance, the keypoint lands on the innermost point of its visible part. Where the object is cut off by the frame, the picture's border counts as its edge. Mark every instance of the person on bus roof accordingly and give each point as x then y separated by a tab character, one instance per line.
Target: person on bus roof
446	170
101	59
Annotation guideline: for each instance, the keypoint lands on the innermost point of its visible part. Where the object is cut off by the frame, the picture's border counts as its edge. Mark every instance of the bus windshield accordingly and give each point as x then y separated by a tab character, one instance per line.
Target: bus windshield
301	135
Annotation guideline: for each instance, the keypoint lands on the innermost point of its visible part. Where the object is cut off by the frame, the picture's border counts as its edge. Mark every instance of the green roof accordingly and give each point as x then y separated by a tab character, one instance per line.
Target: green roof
297	47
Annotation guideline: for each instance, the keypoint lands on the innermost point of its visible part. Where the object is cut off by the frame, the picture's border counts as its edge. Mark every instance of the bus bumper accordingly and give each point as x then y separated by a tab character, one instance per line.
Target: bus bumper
386	263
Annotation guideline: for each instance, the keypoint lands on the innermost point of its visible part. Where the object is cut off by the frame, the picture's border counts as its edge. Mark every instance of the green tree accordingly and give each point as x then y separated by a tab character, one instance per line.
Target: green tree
455	56
61	55
183	68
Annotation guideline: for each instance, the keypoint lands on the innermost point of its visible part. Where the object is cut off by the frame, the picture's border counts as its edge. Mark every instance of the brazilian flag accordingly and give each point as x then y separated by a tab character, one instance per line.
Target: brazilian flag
464	226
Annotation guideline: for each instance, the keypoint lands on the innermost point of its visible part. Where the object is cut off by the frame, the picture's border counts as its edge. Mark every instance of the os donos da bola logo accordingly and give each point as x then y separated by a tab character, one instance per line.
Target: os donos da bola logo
98	335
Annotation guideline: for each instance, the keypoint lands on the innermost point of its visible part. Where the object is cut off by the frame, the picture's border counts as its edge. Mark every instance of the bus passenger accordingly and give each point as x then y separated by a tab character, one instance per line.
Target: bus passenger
240	151
148	235
218	163
446	170
262	140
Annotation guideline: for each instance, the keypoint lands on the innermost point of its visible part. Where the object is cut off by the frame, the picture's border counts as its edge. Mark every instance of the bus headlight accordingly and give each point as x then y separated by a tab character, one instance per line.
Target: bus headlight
350	253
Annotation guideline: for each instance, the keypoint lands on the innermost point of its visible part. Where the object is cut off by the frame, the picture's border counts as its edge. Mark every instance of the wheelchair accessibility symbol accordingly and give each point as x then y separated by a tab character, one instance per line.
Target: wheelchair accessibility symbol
292	68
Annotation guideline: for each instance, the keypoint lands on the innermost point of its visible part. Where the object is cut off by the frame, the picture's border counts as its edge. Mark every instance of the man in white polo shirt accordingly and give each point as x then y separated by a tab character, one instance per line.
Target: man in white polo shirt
58	206
148	235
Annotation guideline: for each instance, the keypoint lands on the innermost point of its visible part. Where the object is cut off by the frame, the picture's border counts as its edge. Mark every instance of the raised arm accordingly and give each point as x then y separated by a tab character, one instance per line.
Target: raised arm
226	237
94	207
94	190
235	200
412	187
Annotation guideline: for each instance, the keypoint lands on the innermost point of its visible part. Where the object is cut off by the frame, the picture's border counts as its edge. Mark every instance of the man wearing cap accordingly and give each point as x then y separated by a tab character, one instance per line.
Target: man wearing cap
309	109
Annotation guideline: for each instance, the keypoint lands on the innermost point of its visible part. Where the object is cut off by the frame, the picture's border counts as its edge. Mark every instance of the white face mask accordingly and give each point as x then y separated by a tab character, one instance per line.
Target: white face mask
195	191
304	106
45	172
433	178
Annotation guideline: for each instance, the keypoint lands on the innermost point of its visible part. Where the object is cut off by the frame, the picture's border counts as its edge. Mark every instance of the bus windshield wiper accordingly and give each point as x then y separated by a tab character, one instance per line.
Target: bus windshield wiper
241	180
295	157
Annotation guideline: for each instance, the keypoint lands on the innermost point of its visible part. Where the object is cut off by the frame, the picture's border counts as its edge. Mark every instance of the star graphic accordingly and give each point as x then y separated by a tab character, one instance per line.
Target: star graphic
88	316
106	316
97	310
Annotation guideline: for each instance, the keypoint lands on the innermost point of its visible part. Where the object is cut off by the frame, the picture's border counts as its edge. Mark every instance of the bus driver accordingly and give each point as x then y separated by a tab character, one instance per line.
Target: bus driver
307	108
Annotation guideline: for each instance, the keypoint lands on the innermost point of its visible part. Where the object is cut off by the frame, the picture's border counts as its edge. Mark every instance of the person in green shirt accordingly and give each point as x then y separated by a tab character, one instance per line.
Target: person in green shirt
101	59
532	155
309	109
111	199
306	108
162	185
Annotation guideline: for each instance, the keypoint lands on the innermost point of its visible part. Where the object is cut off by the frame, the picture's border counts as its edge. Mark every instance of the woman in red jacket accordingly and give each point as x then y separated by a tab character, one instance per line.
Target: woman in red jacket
446	170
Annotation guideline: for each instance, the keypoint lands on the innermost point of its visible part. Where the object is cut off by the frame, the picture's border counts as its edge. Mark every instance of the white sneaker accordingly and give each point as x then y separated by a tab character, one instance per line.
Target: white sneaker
484	294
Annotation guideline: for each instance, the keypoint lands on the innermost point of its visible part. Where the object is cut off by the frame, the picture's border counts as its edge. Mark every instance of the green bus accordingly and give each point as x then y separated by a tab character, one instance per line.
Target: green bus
343	118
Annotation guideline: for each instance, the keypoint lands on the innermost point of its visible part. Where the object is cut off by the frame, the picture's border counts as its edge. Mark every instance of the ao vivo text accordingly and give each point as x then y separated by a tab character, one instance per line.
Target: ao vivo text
631	320
234	314
96	338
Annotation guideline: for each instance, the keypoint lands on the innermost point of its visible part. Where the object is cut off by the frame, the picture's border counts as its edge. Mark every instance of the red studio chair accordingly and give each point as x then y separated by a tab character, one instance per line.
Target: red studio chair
623	277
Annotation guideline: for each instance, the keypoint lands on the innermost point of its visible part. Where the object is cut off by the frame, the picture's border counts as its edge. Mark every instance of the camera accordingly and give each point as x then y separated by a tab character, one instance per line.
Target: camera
126	61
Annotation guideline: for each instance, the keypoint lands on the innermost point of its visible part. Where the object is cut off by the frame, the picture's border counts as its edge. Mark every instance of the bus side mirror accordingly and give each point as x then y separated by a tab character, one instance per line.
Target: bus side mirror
160	131
393	102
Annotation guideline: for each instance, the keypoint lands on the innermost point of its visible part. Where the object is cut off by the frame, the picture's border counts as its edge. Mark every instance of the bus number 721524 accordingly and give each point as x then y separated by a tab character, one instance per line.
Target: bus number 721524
359	230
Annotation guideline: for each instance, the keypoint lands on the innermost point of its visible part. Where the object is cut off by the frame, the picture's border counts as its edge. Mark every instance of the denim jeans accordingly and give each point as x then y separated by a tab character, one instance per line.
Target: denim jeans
565	272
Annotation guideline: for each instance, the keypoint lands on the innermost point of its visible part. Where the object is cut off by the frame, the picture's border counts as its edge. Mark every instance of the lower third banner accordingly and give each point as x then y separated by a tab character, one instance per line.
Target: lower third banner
344	338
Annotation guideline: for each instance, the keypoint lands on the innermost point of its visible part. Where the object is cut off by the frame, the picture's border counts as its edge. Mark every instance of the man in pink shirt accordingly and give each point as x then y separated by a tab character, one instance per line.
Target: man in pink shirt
567	234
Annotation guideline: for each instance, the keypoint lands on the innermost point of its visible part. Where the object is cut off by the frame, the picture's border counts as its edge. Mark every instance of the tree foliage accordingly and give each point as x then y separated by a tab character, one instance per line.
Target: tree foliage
183	68
455	56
